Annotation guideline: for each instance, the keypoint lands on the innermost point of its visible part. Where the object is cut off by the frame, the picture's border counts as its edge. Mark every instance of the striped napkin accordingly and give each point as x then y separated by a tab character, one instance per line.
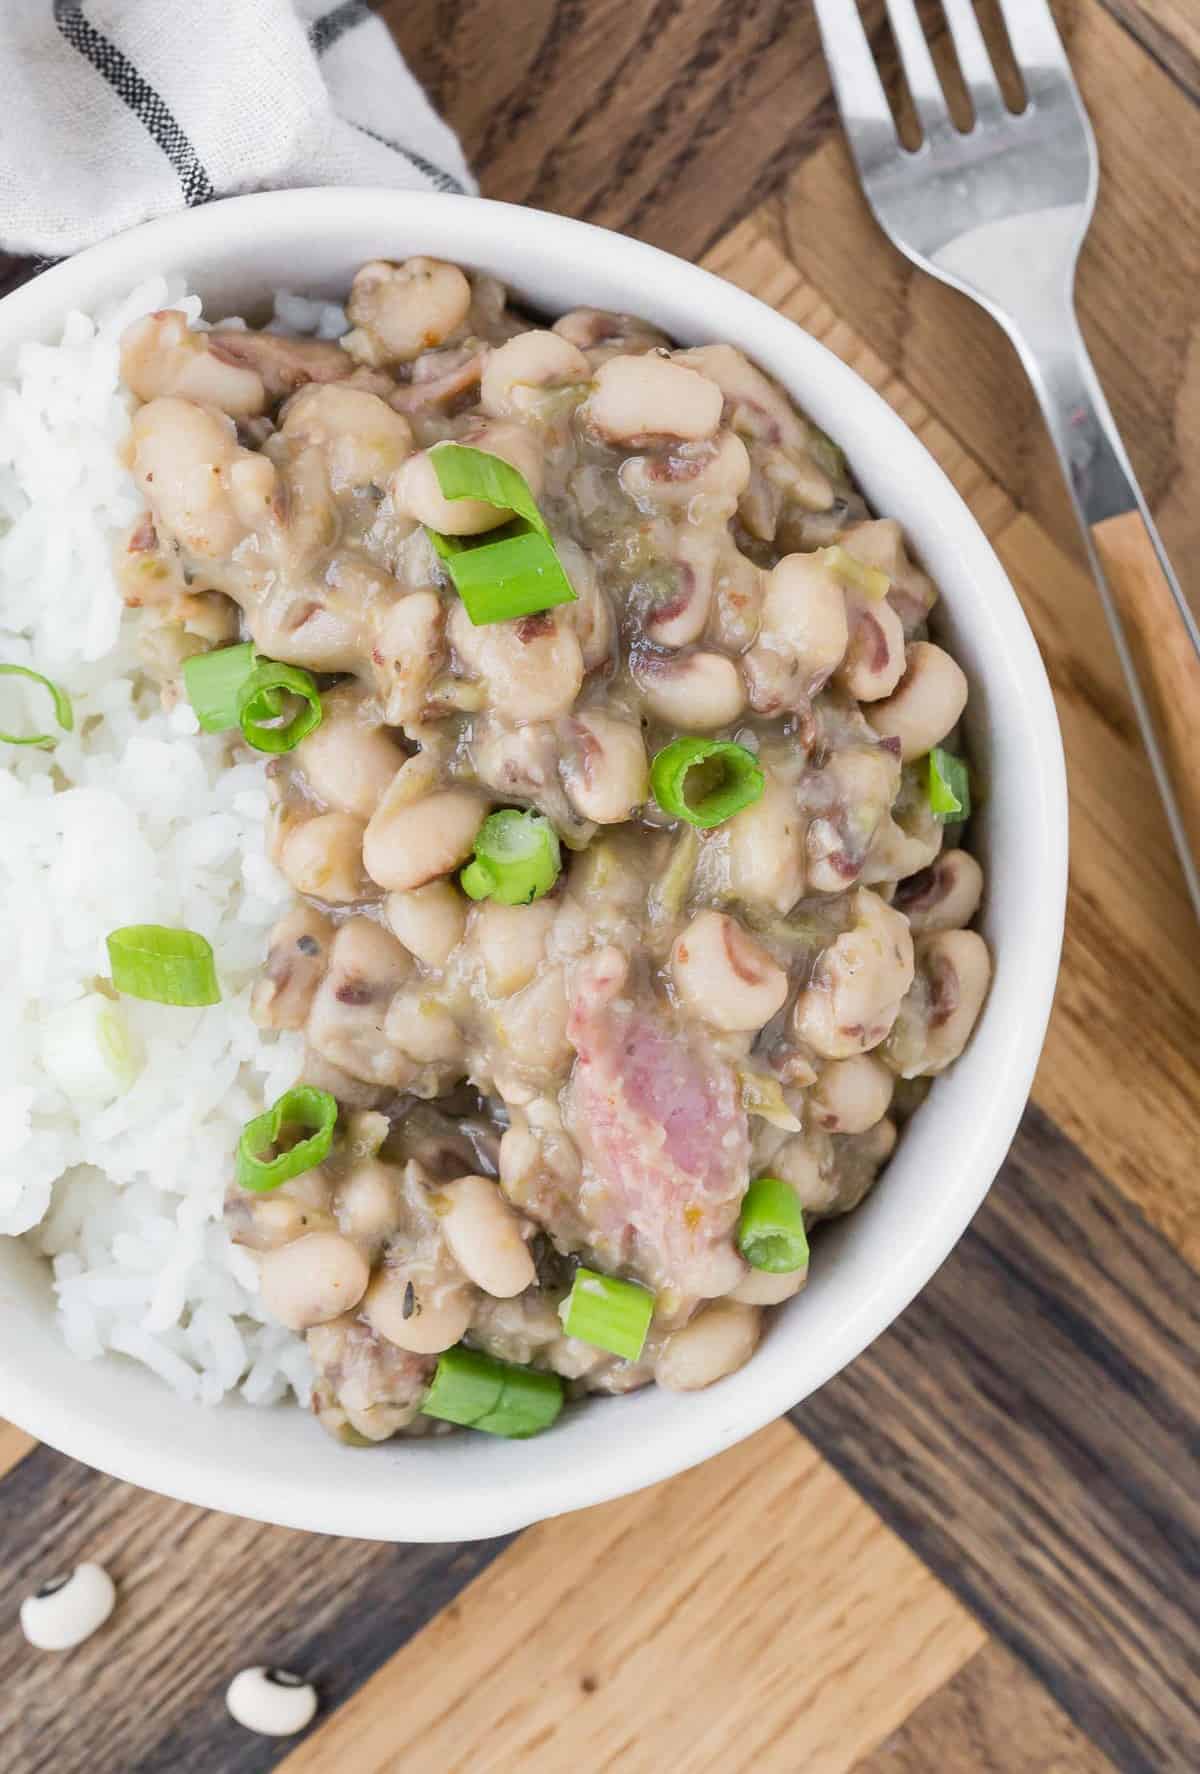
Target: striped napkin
112	111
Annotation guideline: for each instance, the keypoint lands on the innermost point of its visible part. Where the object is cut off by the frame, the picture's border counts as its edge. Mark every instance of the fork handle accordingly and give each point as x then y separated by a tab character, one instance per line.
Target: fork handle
1155	631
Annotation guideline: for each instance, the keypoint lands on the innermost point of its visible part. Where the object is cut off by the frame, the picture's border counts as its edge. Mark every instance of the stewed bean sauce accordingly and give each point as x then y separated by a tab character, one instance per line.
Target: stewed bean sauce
597	1075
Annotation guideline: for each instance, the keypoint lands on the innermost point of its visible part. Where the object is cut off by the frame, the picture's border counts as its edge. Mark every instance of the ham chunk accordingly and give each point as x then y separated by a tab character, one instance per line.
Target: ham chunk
658	1118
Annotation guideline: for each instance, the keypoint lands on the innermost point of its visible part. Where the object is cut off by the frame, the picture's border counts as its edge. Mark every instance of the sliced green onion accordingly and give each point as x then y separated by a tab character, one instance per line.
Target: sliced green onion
302	1107
949	784
515	572
763	1095
214	682
529	1402
517	858
851	571
705	781
232	687
496	1396
607	1313
260	705
166	966
505	573
89	1052
669	893
64	714
826	454
464	473
465	1387
770	1232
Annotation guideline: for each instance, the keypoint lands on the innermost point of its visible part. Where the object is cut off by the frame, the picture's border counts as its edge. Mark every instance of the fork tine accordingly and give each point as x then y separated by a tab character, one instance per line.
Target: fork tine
919	71
1034	38
973	59
866	114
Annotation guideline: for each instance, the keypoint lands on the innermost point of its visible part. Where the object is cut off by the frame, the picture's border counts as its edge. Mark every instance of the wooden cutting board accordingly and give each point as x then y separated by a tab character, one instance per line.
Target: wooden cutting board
976	1549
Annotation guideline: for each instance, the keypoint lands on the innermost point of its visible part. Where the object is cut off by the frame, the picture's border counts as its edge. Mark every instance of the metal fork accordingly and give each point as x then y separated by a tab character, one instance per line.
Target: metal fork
1000	212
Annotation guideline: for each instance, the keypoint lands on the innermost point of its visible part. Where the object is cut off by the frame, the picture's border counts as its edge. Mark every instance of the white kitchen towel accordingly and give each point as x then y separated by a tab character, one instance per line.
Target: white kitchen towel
115	110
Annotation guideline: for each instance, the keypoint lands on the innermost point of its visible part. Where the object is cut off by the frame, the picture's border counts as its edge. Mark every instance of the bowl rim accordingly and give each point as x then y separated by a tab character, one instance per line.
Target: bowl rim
765	1391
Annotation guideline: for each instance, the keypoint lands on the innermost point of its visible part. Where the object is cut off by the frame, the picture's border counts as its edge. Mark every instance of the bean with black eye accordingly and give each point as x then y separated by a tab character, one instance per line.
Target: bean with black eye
926	703
694	693
649	396
273	1702
65	1610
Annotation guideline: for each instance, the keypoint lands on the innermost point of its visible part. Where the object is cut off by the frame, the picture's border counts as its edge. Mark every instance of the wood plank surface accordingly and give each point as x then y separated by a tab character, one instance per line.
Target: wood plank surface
1119	1070
752	1614
993	1718
664	119
14	1445
1031	1426
983	1554
1169	30
201	1595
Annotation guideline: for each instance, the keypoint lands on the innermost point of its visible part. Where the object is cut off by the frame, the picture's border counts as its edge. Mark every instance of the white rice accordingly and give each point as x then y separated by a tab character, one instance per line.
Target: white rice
134	817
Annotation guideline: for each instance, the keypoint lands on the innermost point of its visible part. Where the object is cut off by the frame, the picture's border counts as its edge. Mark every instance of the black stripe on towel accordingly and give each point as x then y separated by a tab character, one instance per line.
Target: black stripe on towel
150	109
325	31
437	176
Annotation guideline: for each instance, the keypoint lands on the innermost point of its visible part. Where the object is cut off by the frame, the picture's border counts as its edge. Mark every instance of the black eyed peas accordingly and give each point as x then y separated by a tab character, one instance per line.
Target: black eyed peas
428	920
422	840
520	373
722	975
926	703
399	311
693	692
322	857
313	1279
720	1339
577	1043
649	396
485	1237
856	989
944	896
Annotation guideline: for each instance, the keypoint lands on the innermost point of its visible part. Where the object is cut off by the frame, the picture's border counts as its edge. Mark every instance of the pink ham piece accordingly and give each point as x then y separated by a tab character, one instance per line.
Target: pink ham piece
657	1116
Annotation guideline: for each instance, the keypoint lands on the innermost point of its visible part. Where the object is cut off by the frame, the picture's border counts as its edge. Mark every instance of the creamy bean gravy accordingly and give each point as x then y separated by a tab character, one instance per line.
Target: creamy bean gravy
595	1076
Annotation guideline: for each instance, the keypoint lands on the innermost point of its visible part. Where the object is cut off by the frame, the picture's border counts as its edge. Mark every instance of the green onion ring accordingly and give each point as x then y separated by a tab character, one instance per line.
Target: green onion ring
770	1232
64	714
303	1106
517	858
259	703
731	778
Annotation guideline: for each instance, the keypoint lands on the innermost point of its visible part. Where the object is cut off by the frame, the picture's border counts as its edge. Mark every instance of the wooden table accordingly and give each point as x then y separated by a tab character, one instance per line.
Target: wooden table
979	1548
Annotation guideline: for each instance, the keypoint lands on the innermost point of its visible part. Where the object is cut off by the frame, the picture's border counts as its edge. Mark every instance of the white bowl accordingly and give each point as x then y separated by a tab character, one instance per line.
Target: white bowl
277	1465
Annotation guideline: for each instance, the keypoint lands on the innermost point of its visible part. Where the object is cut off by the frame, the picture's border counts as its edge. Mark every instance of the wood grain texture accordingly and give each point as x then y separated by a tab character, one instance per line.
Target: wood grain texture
1169	30
992	1718
14	1445
1031	1426
1143	330
1165	657
751	1614
1118	1072
200	1596
669	119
